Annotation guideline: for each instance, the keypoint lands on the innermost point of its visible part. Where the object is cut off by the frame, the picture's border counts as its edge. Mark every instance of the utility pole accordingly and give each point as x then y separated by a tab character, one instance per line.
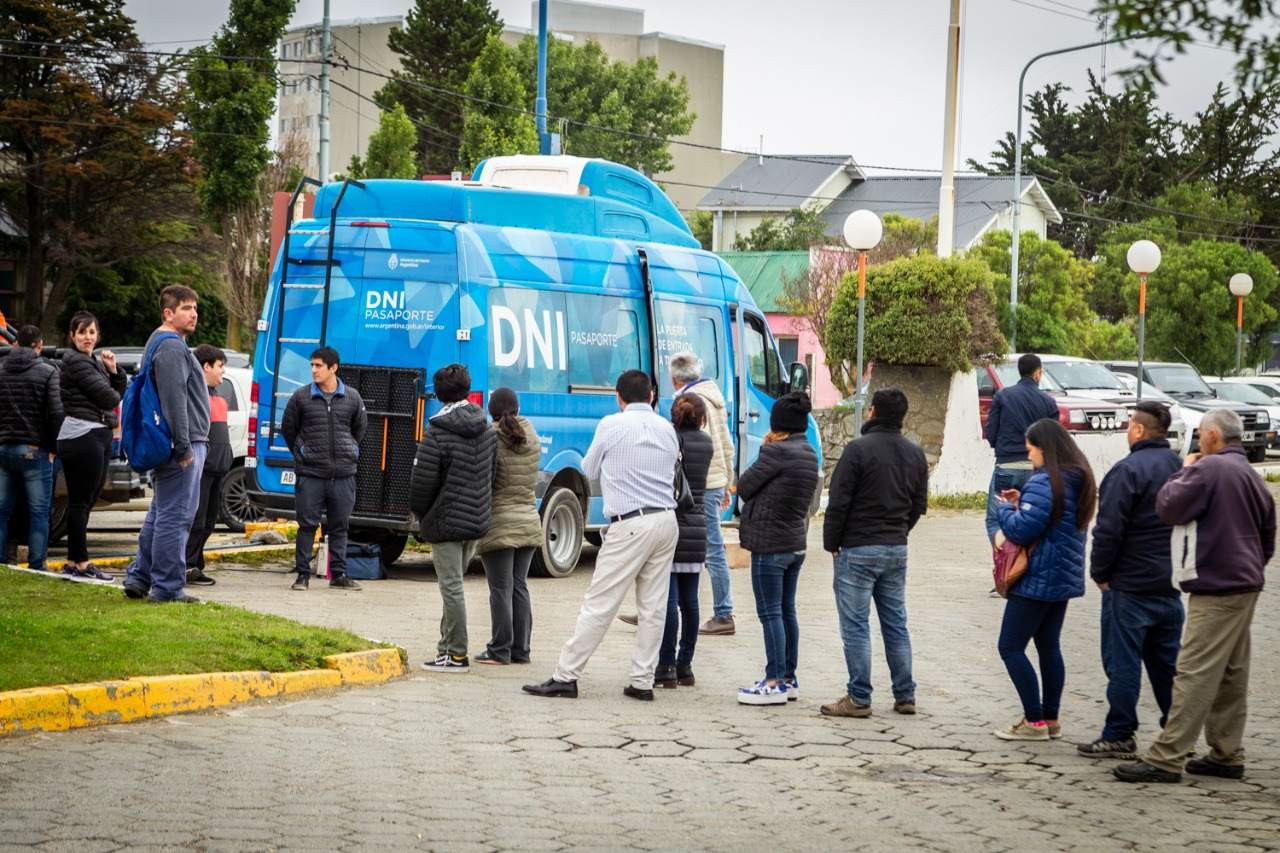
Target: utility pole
947	194
325	47
540	105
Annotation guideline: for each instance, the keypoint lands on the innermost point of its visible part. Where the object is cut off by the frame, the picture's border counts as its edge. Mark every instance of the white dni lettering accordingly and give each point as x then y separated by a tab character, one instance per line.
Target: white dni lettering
385	299
539	339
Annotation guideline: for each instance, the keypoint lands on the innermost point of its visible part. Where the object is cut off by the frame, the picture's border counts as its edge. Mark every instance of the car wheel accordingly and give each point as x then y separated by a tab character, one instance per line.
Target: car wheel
562	529
237	509
1258	454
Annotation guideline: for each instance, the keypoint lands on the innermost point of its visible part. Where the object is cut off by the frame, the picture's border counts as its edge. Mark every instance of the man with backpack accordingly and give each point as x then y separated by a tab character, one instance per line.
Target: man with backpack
323	424
30	416
159	574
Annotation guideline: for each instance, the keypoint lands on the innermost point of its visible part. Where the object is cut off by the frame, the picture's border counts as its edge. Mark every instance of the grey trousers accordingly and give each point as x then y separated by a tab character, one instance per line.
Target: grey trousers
510	611
451	560
313	499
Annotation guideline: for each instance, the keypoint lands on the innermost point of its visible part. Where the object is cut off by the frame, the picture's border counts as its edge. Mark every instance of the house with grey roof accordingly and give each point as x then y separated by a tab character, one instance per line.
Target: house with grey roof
764	187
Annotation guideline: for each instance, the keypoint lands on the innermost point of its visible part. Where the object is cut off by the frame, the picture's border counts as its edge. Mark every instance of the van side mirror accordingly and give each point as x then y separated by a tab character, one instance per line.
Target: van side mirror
798	376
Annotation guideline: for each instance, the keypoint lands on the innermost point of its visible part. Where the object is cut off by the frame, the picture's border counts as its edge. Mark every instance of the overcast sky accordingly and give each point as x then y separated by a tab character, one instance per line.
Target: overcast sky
860	77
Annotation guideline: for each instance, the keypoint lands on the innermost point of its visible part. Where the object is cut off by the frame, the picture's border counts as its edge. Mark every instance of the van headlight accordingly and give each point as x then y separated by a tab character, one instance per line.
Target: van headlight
1077	416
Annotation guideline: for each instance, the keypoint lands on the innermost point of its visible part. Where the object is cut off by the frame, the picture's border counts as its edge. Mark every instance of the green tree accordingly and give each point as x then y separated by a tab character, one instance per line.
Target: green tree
440	41
93	160
921	310
615	110
1244	26
230	108
799	229
703	225
391	151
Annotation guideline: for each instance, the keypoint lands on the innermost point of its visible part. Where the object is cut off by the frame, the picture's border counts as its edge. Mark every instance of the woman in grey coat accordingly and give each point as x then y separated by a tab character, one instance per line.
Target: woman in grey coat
515	532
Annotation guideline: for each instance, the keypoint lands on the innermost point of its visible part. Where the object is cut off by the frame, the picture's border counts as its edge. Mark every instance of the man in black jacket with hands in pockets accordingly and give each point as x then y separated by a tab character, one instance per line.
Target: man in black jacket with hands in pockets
878	492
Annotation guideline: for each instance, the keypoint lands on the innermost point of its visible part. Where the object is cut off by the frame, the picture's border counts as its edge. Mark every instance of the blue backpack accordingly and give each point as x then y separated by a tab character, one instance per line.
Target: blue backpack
145	435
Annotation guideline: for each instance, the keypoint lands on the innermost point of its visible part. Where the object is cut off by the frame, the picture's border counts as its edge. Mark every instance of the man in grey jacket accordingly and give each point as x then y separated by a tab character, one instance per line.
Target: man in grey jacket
1224	536
159	573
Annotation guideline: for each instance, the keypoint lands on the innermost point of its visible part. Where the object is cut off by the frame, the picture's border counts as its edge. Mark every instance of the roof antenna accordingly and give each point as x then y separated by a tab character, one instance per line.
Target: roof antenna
760	155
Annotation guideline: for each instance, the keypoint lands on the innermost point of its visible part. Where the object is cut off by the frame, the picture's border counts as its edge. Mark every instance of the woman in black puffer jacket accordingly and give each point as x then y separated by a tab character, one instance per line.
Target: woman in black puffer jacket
91	389
689	415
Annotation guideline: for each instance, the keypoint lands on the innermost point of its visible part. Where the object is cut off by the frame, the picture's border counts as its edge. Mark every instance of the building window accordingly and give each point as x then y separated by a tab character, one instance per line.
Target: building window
283	128
297	49
789	349
284	50
308	83
311	45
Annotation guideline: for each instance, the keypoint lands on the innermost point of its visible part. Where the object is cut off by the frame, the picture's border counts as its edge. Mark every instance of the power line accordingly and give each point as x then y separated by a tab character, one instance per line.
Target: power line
1166	229
1054	11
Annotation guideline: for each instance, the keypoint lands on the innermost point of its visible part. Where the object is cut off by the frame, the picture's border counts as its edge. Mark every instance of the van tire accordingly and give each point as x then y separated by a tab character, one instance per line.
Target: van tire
562	531
392	547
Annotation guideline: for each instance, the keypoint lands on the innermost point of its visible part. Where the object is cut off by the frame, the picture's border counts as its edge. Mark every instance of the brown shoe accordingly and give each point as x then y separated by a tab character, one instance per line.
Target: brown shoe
845	707
719	625
905	707
1055	729
629	618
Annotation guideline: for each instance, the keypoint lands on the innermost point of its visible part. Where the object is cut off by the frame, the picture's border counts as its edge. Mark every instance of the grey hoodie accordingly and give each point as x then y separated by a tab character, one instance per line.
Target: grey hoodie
184	398
720	474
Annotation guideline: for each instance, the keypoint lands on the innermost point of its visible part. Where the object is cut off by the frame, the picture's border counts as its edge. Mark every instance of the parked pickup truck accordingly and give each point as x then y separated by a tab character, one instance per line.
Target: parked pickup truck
1077	414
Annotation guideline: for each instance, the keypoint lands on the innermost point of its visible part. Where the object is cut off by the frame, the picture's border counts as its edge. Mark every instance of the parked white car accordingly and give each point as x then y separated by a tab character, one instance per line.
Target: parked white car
1242	389
1082	377
236	508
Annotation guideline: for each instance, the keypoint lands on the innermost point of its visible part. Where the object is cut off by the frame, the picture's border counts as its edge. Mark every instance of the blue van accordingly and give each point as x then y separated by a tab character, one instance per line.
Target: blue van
548	275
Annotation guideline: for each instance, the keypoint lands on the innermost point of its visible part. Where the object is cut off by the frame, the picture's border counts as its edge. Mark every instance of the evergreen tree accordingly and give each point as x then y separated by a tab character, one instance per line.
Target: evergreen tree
391	152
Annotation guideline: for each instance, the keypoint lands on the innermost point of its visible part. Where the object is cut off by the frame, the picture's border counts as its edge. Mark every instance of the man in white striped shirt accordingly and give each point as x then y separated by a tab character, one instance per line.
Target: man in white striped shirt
633	456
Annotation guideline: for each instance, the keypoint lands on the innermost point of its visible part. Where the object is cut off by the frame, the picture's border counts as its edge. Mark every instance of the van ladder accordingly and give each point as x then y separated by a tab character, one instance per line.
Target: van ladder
286	286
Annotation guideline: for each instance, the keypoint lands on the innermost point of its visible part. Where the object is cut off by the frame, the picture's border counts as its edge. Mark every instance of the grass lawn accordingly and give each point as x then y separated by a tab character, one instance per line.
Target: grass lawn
55	632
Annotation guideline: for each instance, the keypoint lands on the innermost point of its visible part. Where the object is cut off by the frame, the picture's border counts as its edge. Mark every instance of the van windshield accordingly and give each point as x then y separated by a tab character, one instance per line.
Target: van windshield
1078	375
1179	380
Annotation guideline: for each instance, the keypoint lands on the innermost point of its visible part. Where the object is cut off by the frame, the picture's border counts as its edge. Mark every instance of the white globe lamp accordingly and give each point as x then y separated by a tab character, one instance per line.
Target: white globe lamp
863	230
1241	284
1143	257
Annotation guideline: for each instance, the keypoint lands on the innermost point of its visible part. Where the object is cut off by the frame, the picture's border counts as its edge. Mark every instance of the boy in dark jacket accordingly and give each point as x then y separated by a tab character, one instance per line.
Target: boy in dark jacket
30	416
878	492
1141	609
1224	536
213	361
451	491
323	424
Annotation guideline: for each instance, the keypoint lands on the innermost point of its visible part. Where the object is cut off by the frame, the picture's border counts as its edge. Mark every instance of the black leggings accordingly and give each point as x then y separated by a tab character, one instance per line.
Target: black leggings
84	464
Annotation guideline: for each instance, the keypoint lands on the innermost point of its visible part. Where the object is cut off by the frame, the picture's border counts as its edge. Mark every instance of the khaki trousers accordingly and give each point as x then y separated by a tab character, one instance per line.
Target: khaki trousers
636	552
1211	688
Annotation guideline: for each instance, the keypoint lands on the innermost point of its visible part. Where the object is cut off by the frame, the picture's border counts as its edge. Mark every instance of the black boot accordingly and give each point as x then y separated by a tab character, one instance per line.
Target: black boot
684	674
665	676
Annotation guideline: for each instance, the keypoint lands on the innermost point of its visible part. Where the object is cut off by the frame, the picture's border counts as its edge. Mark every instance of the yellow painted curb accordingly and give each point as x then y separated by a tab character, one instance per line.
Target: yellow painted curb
367	667
70	706
282	527
209	556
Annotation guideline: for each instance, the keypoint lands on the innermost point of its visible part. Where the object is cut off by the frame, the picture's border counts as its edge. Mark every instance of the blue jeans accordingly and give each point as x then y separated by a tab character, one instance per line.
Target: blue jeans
161	566
25	466
1001	479
682	620
717	563
861	574
1027	619
1138	630
773	580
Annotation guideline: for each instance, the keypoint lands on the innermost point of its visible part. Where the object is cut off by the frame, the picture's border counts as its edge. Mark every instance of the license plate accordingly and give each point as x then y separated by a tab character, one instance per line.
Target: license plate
288	478
1247	437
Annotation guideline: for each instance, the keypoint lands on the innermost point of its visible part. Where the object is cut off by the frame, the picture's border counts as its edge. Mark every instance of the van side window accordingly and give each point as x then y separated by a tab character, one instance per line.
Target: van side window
604	338
687	327
762	362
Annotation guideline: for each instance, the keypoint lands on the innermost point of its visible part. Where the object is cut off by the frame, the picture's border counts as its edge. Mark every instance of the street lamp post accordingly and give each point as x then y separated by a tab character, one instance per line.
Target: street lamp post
1241	285
1143	258
862	231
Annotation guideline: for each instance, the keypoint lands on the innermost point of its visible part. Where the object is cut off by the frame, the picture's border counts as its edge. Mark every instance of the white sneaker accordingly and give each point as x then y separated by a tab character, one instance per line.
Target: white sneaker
793	690
761	693
448	663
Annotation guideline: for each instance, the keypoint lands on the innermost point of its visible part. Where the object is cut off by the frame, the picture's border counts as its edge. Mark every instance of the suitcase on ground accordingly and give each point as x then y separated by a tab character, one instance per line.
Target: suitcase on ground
364	562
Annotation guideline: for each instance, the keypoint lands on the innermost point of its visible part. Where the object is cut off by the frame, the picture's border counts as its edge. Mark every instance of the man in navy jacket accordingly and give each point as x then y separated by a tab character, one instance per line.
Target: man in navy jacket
1013	409
1141	608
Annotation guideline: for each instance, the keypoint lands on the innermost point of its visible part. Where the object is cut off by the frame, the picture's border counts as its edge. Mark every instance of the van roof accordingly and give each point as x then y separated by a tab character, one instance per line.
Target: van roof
611	200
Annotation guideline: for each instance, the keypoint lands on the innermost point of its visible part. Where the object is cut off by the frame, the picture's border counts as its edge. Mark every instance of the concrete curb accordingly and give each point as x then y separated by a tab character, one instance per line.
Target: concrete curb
72	706
220	555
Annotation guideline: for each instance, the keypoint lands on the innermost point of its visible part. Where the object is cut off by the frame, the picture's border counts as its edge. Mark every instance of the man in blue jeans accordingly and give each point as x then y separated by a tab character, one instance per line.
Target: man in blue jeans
878	492
1013	409
159	574
30	417
1141	609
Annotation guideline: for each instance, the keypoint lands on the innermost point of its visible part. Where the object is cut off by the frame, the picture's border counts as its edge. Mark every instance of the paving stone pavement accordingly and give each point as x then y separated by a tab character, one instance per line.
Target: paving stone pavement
468	762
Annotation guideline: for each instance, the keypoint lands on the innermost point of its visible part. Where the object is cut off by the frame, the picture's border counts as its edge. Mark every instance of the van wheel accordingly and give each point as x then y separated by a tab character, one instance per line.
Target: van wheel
392	547
562	529
237	510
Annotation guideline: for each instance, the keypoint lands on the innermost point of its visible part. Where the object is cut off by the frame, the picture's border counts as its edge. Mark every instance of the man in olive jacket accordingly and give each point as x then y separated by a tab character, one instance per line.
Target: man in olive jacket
451	491
323	425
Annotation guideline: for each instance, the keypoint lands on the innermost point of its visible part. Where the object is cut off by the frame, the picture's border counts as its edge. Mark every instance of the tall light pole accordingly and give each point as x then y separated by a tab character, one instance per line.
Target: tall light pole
947	190
1241	285
1143	257
326	36
862	231
1017	180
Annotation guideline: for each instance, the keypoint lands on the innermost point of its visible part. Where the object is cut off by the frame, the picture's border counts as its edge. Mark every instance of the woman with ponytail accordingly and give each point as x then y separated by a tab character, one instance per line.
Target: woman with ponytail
515	532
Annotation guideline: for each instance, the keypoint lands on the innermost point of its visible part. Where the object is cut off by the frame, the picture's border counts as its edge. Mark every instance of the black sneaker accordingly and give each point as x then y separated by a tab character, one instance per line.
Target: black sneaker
302	583
1205	767
637	693
344	582
1141	771
448	663
197	577
488	659
665	677
1127	748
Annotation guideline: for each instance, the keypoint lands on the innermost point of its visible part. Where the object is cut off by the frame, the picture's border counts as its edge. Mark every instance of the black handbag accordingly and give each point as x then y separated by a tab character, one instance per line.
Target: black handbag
683	494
